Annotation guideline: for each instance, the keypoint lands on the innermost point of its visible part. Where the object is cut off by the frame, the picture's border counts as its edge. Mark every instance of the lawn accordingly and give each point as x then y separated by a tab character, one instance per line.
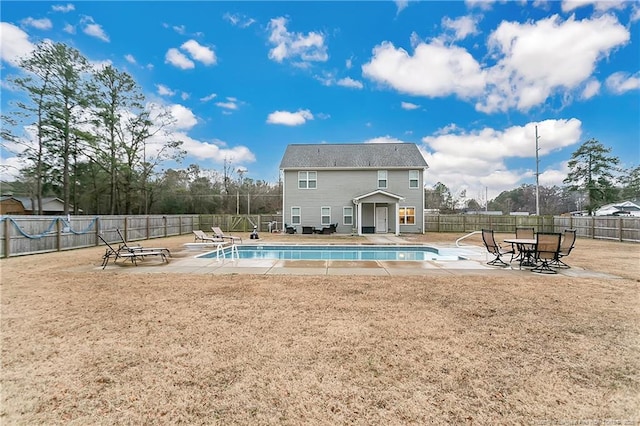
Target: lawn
85	346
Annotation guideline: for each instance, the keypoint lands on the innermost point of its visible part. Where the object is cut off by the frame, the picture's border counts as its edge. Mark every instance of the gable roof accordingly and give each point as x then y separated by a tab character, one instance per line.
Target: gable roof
52	204
359	155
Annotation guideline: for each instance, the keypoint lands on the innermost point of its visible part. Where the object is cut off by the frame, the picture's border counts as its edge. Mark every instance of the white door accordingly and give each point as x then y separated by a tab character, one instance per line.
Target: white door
382	215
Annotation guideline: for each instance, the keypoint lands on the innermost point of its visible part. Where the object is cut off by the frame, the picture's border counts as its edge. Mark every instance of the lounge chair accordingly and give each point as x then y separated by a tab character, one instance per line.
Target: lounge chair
567	244
217	232
130	253
201	236
125	246
494	248
547	248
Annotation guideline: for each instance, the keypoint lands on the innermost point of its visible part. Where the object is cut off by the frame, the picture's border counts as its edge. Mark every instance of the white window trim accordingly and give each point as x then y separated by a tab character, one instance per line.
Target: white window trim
344	215
306	179
386	179
299	215
417	179
322	216
400	218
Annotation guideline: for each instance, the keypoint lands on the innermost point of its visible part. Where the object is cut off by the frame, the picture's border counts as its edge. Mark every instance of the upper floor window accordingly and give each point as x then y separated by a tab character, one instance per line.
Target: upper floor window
307	180
414	178
382	178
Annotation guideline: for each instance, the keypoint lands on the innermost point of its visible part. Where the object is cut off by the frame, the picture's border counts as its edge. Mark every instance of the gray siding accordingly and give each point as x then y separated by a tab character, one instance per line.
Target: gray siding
338	188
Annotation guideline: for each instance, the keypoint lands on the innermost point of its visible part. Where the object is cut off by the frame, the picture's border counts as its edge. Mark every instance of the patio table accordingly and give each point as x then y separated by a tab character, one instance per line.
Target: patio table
527	247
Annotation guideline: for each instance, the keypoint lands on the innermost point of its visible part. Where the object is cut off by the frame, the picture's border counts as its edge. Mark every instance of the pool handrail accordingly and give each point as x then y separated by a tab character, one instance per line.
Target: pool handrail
466	236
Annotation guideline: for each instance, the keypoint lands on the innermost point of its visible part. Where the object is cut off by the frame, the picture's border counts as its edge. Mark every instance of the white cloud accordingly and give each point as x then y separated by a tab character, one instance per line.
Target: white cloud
178	59
14	43
598	5
40	24
216	151
227	105
287	44
68	28
185	119
409	105
239	20
591	89
462	27
401	5
569	51
621	82
180	29
349	82
208	97
480	4
164	90
130	58
63	8
384	139
92	29
635	13
434	70
476	159
290	118
199	53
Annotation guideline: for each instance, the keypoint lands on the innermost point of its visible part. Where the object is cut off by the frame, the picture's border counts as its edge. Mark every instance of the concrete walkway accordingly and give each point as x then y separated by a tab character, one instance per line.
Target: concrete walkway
472	262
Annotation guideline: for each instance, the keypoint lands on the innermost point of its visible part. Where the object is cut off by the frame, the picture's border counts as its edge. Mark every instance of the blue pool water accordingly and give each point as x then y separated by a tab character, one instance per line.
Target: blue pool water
336	252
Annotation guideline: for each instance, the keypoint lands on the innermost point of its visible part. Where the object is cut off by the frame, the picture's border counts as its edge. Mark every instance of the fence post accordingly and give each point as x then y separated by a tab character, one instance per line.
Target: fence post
58	235
593	227
620	227
97	240
126	228
7	237
164	222
148	228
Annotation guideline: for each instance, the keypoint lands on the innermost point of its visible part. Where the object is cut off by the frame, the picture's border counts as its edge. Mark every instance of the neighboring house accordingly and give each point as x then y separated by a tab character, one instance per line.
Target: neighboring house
364	188
625	208
12	205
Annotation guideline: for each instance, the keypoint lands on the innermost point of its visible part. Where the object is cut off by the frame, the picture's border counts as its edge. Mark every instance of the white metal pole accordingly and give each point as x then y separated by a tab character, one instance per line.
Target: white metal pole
537	176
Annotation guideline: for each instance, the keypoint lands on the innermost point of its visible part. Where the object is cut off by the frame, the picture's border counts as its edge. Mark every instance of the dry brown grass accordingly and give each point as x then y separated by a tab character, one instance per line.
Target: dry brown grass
86	346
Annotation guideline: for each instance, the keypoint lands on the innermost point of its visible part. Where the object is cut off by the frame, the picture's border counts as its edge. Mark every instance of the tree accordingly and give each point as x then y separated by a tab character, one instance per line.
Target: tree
591	169
630	184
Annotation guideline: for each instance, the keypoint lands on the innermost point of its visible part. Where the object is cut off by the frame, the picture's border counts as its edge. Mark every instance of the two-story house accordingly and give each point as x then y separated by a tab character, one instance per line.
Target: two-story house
363	188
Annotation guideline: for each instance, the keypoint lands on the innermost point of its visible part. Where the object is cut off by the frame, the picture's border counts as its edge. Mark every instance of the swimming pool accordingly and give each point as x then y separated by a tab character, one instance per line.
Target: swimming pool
336	252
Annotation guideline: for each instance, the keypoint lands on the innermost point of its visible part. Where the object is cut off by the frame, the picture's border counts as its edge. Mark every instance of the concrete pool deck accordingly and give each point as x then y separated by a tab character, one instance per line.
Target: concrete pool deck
474	263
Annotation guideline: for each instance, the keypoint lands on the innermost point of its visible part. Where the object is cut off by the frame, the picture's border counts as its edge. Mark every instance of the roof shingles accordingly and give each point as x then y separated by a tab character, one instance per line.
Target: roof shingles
383	155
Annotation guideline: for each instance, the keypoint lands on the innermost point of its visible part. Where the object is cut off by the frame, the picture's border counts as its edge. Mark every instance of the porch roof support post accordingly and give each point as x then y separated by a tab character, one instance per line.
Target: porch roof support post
359	217
397	219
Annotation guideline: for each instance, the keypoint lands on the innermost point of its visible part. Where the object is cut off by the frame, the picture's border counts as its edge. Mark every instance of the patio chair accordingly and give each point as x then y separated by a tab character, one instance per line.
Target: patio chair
128	253
567	244
547	249
201	236
217	232
523	233
494	248
289	229
125	246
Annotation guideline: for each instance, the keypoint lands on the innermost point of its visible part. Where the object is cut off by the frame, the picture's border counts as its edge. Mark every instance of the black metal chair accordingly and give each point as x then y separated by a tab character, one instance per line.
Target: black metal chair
524	249
494	248
547	249
290	229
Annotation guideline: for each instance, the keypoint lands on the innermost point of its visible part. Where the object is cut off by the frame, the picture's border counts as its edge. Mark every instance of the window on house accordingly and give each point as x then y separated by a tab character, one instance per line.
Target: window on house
307	180
414	178
407	215
295	216
325	216
382	178
347	215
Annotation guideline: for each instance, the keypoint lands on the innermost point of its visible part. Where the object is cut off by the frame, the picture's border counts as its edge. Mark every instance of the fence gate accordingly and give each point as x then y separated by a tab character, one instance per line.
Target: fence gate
244	223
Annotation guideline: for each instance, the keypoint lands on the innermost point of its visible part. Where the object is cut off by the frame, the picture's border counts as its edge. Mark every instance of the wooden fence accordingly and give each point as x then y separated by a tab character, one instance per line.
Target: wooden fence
597	227
40	234
21	235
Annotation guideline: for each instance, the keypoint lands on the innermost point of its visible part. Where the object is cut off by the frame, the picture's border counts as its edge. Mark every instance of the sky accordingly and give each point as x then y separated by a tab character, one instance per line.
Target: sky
467	81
